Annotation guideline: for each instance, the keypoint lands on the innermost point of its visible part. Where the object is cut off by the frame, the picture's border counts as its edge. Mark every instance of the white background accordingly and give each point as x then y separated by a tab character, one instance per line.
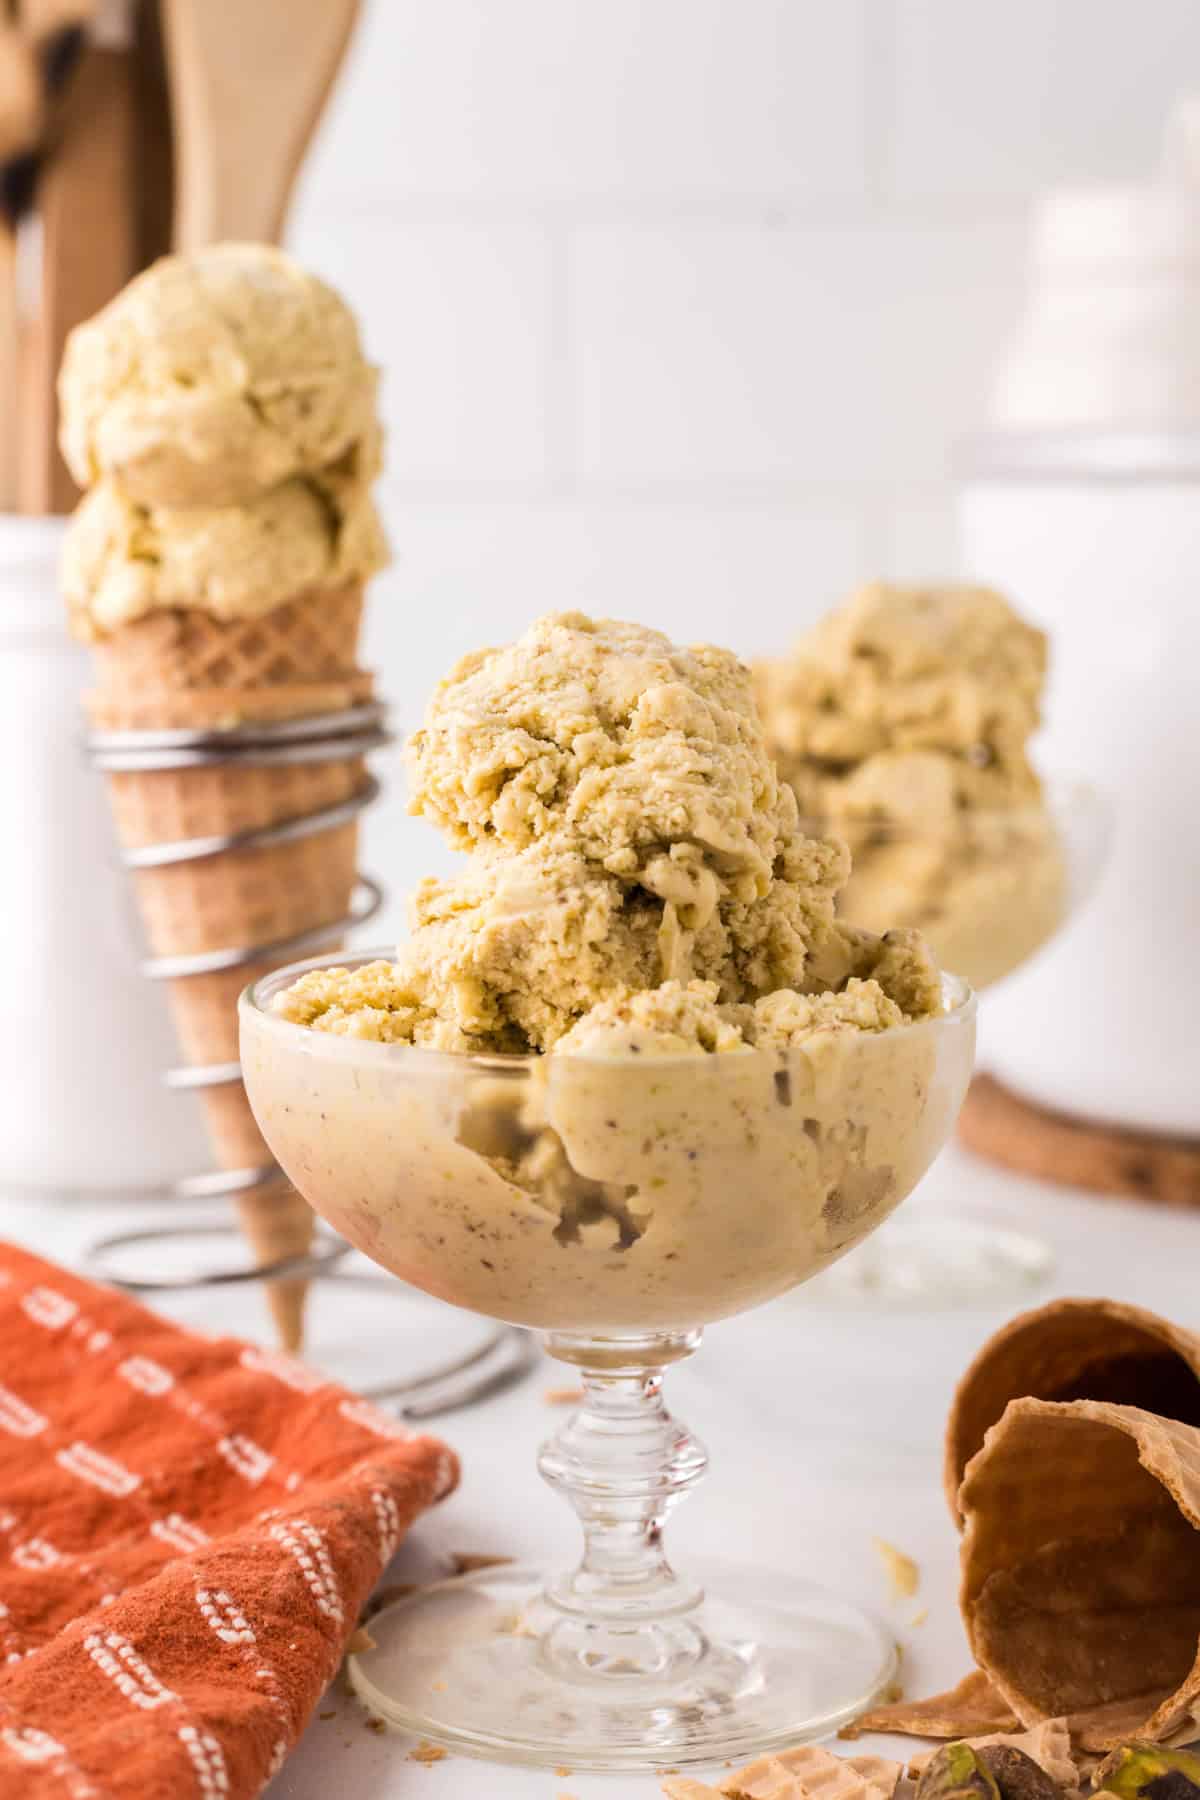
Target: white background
682	304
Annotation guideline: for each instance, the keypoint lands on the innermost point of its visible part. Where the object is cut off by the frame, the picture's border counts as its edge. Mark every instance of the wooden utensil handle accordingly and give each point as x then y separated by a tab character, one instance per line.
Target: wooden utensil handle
85	205
248	85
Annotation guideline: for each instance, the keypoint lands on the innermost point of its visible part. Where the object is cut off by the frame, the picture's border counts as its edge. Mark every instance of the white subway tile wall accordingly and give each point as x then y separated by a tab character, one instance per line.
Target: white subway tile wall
683	304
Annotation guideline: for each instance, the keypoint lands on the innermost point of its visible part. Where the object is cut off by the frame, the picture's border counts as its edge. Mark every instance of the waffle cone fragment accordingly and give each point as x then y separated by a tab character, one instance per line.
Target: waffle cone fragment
971	1708
806	1773
1081	1568
185	670
1073	1350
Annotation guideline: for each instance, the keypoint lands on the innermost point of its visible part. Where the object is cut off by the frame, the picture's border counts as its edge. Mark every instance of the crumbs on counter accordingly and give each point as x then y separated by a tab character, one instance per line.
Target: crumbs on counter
427	1753
359	1641
904	1577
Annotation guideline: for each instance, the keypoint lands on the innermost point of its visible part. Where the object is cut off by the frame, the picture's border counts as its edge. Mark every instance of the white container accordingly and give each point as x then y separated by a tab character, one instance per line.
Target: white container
1084	506
85	1039
1105	1024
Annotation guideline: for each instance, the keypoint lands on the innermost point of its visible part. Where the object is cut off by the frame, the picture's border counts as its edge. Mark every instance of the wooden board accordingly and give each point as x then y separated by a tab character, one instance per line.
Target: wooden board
997	1125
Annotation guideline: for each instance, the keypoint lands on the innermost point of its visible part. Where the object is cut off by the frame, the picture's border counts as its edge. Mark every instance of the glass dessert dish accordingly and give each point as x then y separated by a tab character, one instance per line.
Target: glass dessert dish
616	1204
988	891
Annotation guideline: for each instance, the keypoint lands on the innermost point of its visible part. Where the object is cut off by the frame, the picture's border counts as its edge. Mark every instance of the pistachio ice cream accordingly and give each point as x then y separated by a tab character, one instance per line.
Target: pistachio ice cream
628	1071
123	559
221	414
654	1172
902	724
215	376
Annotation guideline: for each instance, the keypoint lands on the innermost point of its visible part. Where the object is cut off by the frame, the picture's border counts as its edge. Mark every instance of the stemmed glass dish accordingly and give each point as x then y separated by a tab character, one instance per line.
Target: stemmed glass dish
617	1205
989	890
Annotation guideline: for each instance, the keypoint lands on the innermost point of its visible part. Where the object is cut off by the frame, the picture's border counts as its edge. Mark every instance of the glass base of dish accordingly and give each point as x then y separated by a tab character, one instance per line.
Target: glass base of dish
934	1260
489	1665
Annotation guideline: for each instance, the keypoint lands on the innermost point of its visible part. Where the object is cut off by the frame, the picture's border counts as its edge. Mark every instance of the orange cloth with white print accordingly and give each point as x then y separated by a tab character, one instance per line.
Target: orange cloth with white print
189	1528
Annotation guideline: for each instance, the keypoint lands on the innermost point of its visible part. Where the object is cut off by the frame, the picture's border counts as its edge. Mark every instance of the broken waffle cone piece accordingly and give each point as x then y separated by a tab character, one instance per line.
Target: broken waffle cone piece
971	1709
1081	1568
805	1773
1073	1350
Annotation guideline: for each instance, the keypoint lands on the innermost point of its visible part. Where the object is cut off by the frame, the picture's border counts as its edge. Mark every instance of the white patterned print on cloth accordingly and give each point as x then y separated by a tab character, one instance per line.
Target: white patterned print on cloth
307	1548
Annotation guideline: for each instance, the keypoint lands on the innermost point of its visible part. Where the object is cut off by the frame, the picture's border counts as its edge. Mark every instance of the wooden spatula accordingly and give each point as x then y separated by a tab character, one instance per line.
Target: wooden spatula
248	85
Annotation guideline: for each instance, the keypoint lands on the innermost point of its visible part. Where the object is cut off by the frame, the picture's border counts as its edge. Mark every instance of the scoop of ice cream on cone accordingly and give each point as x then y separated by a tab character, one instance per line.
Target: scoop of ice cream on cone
123	559
214	376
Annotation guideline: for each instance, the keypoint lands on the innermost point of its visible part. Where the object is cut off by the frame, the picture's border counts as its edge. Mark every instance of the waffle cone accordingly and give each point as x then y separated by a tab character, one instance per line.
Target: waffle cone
184	670
276	1222
1081	1568
309	638
1073	1350
111	708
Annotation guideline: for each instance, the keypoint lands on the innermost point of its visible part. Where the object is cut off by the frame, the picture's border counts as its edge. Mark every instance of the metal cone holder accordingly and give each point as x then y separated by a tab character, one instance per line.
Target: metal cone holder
503	1355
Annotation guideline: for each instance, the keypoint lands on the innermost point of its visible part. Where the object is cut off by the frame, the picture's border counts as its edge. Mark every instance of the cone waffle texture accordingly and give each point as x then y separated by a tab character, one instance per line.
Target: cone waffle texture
184	670
156	807
311	637
276	1222
805	1773
113	708
1081	1568
964	1711
1073	1350
248	896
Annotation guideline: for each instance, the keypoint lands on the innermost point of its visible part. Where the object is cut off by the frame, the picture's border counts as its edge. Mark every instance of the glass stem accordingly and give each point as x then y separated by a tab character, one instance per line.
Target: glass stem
623	1463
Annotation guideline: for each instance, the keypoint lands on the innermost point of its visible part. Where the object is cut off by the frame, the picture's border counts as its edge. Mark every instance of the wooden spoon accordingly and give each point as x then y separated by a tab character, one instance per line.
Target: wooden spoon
20	130
86	202
248	85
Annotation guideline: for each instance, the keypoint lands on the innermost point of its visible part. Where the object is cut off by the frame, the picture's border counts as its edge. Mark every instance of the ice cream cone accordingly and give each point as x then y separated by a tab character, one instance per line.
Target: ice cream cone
185	670
307	638
1073	1350
1081	1568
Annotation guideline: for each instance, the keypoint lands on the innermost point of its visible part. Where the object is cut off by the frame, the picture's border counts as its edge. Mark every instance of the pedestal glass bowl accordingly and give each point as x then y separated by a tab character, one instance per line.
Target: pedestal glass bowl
989	891
617	1206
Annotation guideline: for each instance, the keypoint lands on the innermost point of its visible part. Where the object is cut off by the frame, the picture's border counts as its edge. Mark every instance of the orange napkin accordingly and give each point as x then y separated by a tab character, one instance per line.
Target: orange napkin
189	1527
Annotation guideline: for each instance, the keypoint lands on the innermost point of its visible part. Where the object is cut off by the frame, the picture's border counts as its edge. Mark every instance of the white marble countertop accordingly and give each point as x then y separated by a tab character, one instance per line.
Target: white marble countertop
824	1427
